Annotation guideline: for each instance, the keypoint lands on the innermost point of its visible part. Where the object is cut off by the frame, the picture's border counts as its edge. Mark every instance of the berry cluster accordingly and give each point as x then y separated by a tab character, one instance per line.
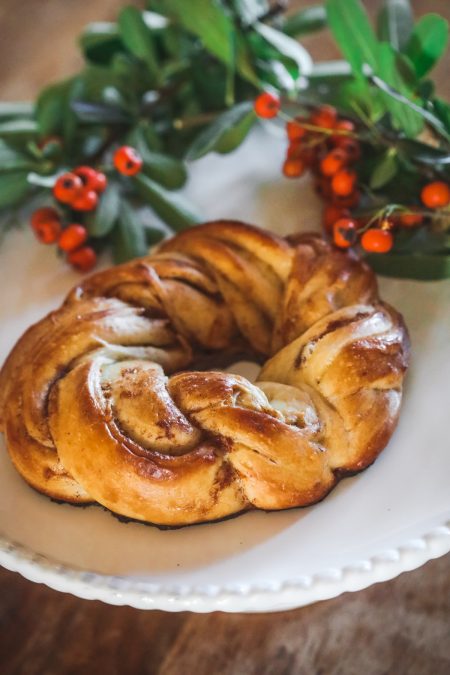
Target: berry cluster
79	191
328	146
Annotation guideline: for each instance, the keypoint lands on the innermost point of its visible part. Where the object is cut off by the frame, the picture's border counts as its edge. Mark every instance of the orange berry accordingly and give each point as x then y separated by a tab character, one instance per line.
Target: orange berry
333	162
47	231
92	179
377	241
83	259
43	214
293	168
127	161
410	219
325	117
294	130
67	188
435	195
343	182
331	214
72	237
86	201
342	125
267	105
344	232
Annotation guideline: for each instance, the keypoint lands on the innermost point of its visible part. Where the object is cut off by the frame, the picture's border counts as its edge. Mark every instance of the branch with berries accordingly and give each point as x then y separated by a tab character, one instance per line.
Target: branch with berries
98	161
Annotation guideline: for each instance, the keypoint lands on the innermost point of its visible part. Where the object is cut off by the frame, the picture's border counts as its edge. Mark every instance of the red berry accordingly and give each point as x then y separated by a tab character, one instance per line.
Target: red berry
83	259
331	214
86	201
342	125
293	168
343	182
43	214
100	182
435	195
127	161
410	219
351	147
325	117
333	162
267	105
72	237
344	232
90	178
67	188
377	241
294	130
47	231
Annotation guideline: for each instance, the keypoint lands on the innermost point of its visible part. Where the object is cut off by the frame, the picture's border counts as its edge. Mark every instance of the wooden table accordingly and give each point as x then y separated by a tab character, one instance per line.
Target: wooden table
401	627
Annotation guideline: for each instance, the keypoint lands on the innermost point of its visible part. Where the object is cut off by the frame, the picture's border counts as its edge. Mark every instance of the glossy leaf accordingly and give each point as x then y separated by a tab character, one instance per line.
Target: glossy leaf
225	133
305	21
14	110
422	267
98	113
50	108
287	47
352	31
128	237
21	128
164	169
138	39
101	41
395	23
13	188
384	171
11	160
103	220
251	10
172	208
389	68
423	153
427	43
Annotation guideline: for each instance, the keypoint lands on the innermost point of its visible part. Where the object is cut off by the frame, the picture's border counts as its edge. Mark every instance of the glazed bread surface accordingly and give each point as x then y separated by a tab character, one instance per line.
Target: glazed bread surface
119	396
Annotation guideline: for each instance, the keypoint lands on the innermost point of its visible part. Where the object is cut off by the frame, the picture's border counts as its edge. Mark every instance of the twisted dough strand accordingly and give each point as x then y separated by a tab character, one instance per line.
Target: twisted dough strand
95	408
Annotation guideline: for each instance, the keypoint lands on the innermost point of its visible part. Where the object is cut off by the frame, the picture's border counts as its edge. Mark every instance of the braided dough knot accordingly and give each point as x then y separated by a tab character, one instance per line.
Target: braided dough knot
110	399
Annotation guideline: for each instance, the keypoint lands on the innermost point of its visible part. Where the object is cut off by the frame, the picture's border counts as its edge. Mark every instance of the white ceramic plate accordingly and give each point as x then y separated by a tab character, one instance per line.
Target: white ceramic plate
393	517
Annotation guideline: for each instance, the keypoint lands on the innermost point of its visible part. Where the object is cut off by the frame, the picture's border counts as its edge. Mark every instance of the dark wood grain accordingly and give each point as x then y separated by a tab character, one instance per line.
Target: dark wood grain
401	627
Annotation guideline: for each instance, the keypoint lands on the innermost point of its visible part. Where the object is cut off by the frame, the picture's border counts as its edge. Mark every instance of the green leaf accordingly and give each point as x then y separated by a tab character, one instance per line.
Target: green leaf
50	108
13	188
13	110
442	110
103	220
286	46
423	267
98	113
170	207
251	10
15	129
214	27
432	119
352	31
384	171
225	133
138	39
11	160
422	153
164	169
305	21
389	68
427	43
395	23
128	237
101	41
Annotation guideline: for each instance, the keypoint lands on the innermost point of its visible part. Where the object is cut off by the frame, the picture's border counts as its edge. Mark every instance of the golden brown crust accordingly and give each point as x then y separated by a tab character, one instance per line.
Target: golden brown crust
96	406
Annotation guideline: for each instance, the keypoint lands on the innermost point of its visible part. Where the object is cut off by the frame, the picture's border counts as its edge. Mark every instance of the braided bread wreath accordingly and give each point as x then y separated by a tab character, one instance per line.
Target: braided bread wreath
97	402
